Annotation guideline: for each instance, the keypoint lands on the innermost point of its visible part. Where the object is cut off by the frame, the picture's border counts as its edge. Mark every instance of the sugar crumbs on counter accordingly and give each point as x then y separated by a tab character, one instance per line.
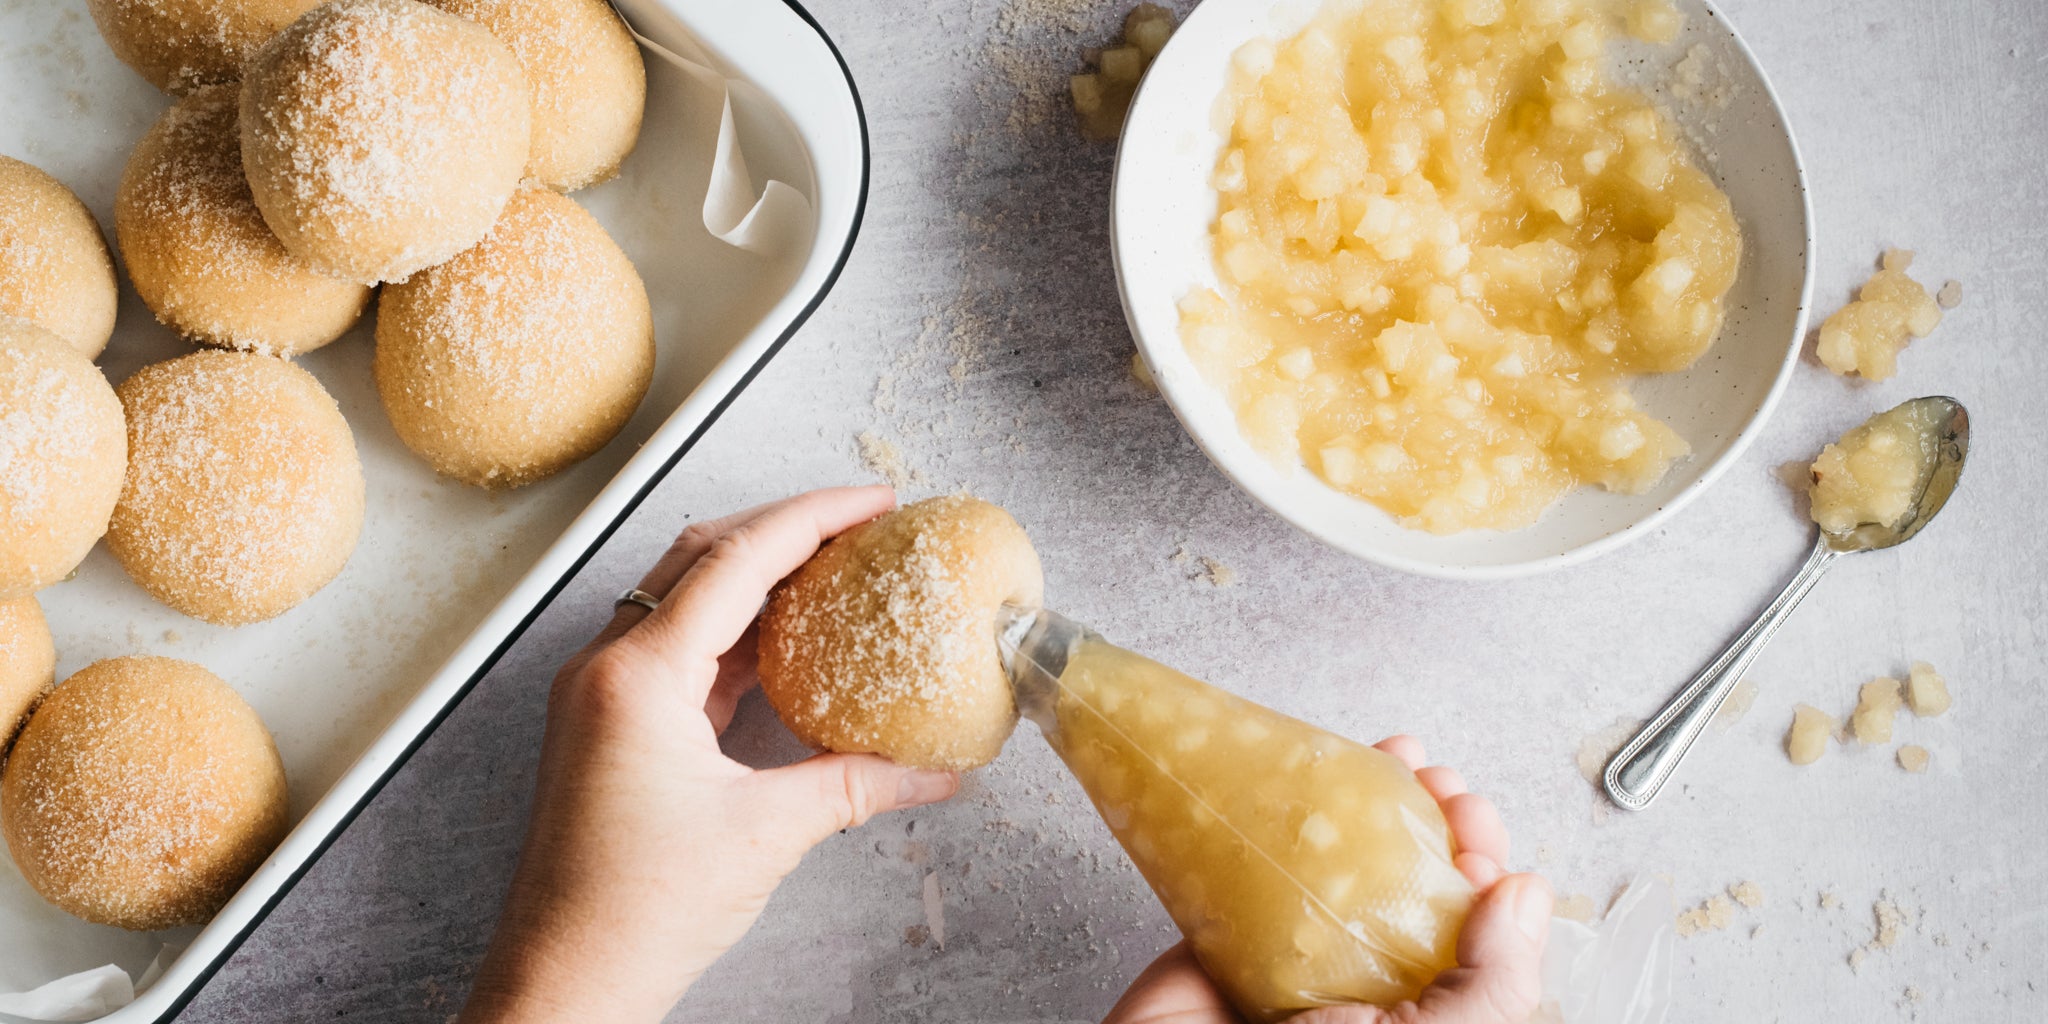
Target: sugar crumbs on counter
1574	907
1741	697
934	910
1712	915
1592	755
1891	923
1595	749
1217	574
1717	912
883	458
1747	893
1202	567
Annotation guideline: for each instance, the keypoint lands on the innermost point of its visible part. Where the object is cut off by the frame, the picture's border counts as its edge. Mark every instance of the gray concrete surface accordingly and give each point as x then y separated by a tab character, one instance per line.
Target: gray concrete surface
977	329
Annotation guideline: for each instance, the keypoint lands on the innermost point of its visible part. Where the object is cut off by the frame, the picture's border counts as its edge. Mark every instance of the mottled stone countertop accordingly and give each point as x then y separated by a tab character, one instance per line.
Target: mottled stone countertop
976	334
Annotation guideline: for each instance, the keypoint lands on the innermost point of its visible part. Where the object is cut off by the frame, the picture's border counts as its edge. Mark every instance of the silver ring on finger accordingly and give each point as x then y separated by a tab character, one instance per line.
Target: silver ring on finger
639	597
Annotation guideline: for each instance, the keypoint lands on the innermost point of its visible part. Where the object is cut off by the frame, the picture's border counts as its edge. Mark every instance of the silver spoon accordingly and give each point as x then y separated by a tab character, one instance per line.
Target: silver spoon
1641	768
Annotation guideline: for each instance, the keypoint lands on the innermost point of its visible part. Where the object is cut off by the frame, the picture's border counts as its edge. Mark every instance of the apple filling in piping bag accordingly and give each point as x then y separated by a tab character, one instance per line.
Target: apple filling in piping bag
1304	868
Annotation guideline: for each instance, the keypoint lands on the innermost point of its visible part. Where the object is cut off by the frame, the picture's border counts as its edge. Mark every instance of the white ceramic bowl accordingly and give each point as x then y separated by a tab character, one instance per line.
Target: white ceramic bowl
1163	207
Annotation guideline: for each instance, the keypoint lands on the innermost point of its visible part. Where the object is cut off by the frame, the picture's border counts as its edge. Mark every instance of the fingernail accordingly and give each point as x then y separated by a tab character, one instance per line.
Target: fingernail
1532	907
919	788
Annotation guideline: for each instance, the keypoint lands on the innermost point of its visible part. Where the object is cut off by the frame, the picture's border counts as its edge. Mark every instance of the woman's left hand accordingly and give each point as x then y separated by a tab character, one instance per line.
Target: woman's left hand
650	852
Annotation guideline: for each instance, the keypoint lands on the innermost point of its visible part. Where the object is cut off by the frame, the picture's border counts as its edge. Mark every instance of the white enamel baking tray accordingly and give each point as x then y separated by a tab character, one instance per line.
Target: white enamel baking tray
446	577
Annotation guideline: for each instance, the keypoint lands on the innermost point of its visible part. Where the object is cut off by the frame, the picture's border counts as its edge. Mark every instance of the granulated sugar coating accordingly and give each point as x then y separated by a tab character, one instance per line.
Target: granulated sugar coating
382	137
28	661
180	45
885	641
198	251
141	794
244	492
62	453
522	356
587	81
54	267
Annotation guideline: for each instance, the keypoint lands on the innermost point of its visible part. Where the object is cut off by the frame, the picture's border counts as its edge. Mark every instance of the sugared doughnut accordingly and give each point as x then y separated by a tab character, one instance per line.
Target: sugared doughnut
885	641
54	267
63	451
521	356
198	251
382	136
587	81
28	663
244	492
179	45
141	794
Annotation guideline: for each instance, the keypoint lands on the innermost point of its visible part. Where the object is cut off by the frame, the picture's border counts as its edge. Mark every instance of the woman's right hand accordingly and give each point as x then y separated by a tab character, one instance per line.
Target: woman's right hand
1498	979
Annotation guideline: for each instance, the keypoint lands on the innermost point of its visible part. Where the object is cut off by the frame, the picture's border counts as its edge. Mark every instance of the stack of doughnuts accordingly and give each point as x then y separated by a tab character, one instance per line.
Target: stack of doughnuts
313	154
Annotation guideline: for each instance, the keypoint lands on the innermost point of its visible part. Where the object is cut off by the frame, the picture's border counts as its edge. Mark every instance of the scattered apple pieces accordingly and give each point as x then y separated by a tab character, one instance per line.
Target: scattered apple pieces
1808	738
1876	705
1102	97
1871	722
1891	309
1926	691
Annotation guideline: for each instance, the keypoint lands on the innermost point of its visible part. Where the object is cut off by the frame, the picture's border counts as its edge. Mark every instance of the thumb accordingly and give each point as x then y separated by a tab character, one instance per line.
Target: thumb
1507	929
1499	977
807	801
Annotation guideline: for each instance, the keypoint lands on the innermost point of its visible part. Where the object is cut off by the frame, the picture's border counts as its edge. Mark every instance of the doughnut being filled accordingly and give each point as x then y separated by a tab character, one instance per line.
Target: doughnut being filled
588	84
244	495
141	794
522	356
382	137
885	641
54	267
198	251
63	451
28	664
180	45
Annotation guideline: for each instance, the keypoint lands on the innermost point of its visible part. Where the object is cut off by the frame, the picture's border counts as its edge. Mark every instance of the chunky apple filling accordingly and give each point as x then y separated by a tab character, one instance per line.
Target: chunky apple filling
1873	475
1445	241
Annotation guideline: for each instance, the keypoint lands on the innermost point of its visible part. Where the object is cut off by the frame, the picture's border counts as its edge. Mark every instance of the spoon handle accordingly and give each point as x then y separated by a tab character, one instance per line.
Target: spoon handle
1641	768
